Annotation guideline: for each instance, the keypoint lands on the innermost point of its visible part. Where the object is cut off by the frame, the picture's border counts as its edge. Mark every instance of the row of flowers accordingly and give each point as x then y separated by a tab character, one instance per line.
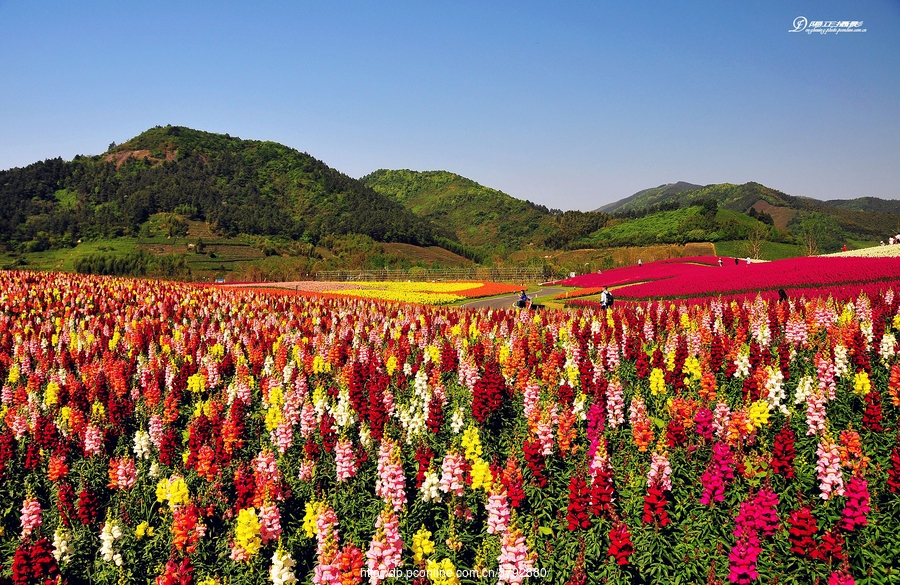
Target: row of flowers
693	277
425	293
184	434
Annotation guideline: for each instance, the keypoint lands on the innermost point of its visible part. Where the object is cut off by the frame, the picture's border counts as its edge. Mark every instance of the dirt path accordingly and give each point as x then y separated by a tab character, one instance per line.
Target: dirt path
506	301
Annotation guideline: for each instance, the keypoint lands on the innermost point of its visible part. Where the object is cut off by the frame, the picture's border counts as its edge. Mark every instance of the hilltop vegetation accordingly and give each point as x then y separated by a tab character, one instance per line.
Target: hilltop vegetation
237	186
865	218
480	217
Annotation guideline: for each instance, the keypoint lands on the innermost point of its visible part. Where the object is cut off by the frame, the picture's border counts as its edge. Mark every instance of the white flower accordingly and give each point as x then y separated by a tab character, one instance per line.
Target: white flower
888	347
840	361
578	407
62	551
154	470
775	386
430	487
141	445
280	572
343	410
365	436
108	535
457	422
742	363
804	389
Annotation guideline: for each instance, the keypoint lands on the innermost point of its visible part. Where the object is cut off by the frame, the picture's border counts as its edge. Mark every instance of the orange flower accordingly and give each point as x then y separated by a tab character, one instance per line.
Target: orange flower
894	385
57	468
567	432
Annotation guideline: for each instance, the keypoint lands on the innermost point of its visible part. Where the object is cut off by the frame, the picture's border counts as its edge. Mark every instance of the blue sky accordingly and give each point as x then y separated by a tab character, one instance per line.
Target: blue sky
569	104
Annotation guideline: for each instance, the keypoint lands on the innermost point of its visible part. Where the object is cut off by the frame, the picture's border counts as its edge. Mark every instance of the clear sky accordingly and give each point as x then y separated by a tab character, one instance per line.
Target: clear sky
569	104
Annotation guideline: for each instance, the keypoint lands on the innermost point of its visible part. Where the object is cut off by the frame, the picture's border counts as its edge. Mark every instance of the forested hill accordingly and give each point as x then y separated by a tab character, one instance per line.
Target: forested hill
480	217
864	218
238	186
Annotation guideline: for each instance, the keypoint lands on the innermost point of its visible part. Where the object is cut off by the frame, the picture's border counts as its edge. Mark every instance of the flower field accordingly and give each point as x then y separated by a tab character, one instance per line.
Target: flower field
176	434
703	277
425	293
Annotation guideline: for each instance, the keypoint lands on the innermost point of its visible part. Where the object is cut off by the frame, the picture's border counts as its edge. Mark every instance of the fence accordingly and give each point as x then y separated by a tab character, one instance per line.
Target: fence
512	275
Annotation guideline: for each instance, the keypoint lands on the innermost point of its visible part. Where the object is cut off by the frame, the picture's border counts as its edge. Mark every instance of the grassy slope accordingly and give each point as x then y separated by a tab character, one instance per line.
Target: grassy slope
479	216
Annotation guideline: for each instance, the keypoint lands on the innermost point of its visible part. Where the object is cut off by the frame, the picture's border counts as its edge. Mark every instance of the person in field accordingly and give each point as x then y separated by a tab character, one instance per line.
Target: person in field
523	300
606	299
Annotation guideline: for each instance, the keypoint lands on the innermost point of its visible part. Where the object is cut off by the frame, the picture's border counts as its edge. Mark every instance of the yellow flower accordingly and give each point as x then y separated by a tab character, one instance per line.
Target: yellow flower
422	545
309	519
246	535
51	394
173	489
657	381
98	410
759	413
692	368
481	475
391	365
442	573
861	384
471	443
141	530
273	414
196	383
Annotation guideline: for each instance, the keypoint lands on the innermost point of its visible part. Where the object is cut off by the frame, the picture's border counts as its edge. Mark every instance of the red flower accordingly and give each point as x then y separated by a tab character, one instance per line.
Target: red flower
802	533
893	480
620	545
655	507
783	452
88	511
873	415
579	502
534	458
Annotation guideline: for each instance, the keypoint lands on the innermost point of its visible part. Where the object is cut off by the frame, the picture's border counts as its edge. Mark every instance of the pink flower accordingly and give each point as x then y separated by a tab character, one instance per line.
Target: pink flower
390	482
326	535
345	460
721	420
515	561
31	517
498	510
815	413
840	578
452	474
660	470
828	469
615	403
857	506
717	475
93	440
156	430
123	474
386	547
742	559
269	523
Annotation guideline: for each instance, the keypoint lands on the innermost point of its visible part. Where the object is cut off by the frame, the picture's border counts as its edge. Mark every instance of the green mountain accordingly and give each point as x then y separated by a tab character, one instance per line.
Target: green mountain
866	204
864	218
236	186
481	217
648	197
